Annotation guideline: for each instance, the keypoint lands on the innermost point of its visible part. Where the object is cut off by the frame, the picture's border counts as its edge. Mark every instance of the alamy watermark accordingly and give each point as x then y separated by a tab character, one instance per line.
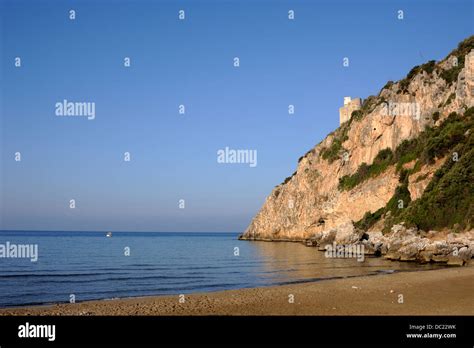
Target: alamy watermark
341	251
402	109
28	330
241	156
20	251
68	108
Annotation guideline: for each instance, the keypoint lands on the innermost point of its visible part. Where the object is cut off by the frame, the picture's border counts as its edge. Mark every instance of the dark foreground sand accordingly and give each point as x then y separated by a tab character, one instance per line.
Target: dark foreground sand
440	292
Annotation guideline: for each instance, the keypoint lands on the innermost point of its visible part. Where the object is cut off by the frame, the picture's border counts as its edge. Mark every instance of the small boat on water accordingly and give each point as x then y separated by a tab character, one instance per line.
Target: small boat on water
109	234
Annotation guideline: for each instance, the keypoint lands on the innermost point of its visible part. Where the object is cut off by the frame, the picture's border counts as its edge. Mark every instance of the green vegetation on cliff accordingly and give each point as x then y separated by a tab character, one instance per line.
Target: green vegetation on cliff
449	75
381	162
334	151
427	67
432	143
448	200
400	199
464	47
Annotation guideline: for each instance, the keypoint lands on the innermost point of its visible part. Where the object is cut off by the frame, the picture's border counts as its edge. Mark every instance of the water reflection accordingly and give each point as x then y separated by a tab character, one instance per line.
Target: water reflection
283	262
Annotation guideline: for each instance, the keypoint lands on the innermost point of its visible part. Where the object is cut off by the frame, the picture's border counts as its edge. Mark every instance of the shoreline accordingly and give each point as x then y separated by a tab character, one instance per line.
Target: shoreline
401	244
447	291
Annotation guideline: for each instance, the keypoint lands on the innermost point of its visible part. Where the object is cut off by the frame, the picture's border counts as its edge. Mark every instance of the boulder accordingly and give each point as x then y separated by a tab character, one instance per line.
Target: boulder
394	256
343	234
465	254
439	258
425	256
327	237
409	252
371	248
455	261
440	248
393	245
346	234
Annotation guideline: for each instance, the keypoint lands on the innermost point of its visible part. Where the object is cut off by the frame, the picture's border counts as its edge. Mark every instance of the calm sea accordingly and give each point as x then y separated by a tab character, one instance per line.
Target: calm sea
89	265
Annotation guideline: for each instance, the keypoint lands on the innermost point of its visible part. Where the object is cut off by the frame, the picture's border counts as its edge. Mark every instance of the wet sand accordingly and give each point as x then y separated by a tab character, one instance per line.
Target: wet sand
447	291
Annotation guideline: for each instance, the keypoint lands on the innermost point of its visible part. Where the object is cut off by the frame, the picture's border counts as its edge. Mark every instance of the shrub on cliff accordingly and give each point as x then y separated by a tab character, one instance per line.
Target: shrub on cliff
441	141
451	75
432	143
399	201
369	219
464	47
288	178
428	67
449	198
357	115
393	209
333	152
364	172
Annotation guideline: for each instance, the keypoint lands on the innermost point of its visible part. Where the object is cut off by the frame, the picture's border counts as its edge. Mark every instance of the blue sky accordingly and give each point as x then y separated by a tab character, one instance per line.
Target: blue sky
187	62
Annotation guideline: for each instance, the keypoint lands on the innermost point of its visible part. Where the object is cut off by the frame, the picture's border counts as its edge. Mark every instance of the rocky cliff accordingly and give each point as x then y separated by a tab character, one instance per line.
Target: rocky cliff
356	170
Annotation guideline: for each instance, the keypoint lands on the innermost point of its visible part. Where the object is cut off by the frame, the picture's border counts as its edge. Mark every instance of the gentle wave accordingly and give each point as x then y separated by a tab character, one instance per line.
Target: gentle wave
90	266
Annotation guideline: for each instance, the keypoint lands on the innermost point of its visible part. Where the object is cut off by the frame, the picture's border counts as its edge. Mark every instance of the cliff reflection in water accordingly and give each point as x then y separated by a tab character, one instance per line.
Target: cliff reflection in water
283	262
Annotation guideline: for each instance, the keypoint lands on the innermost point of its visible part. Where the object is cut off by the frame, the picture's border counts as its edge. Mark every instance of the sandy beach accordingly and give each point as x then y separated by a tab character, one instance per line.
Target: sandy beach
447	291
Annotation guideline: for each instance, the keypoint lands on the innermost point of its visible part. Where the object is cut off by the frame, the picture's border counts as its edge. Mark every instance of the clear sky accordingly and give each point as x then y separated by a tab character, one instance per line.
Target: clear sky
187	62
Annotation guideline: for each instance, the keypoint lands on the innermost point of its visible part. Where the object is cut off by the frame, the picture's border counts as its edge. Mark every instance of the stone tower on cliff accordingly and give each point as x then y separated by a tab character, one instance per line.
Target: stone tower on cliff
350	105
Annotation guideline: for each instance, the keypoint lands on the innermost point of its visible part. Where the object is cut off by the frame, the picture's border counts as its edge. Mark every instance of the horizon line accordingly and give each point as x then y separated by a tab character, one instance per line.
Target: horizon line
105	231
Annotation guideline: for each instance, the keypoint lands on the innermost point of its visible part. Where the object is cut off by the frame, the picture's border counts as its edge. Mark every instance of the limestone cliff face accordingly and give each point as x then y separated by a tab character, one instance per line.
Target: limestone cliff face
310	201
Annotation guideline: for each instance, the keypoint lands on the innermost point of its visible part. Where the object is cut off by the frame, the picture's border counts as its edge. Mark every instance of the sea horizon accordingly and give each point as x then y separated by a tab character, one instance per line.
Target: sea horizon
111	230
